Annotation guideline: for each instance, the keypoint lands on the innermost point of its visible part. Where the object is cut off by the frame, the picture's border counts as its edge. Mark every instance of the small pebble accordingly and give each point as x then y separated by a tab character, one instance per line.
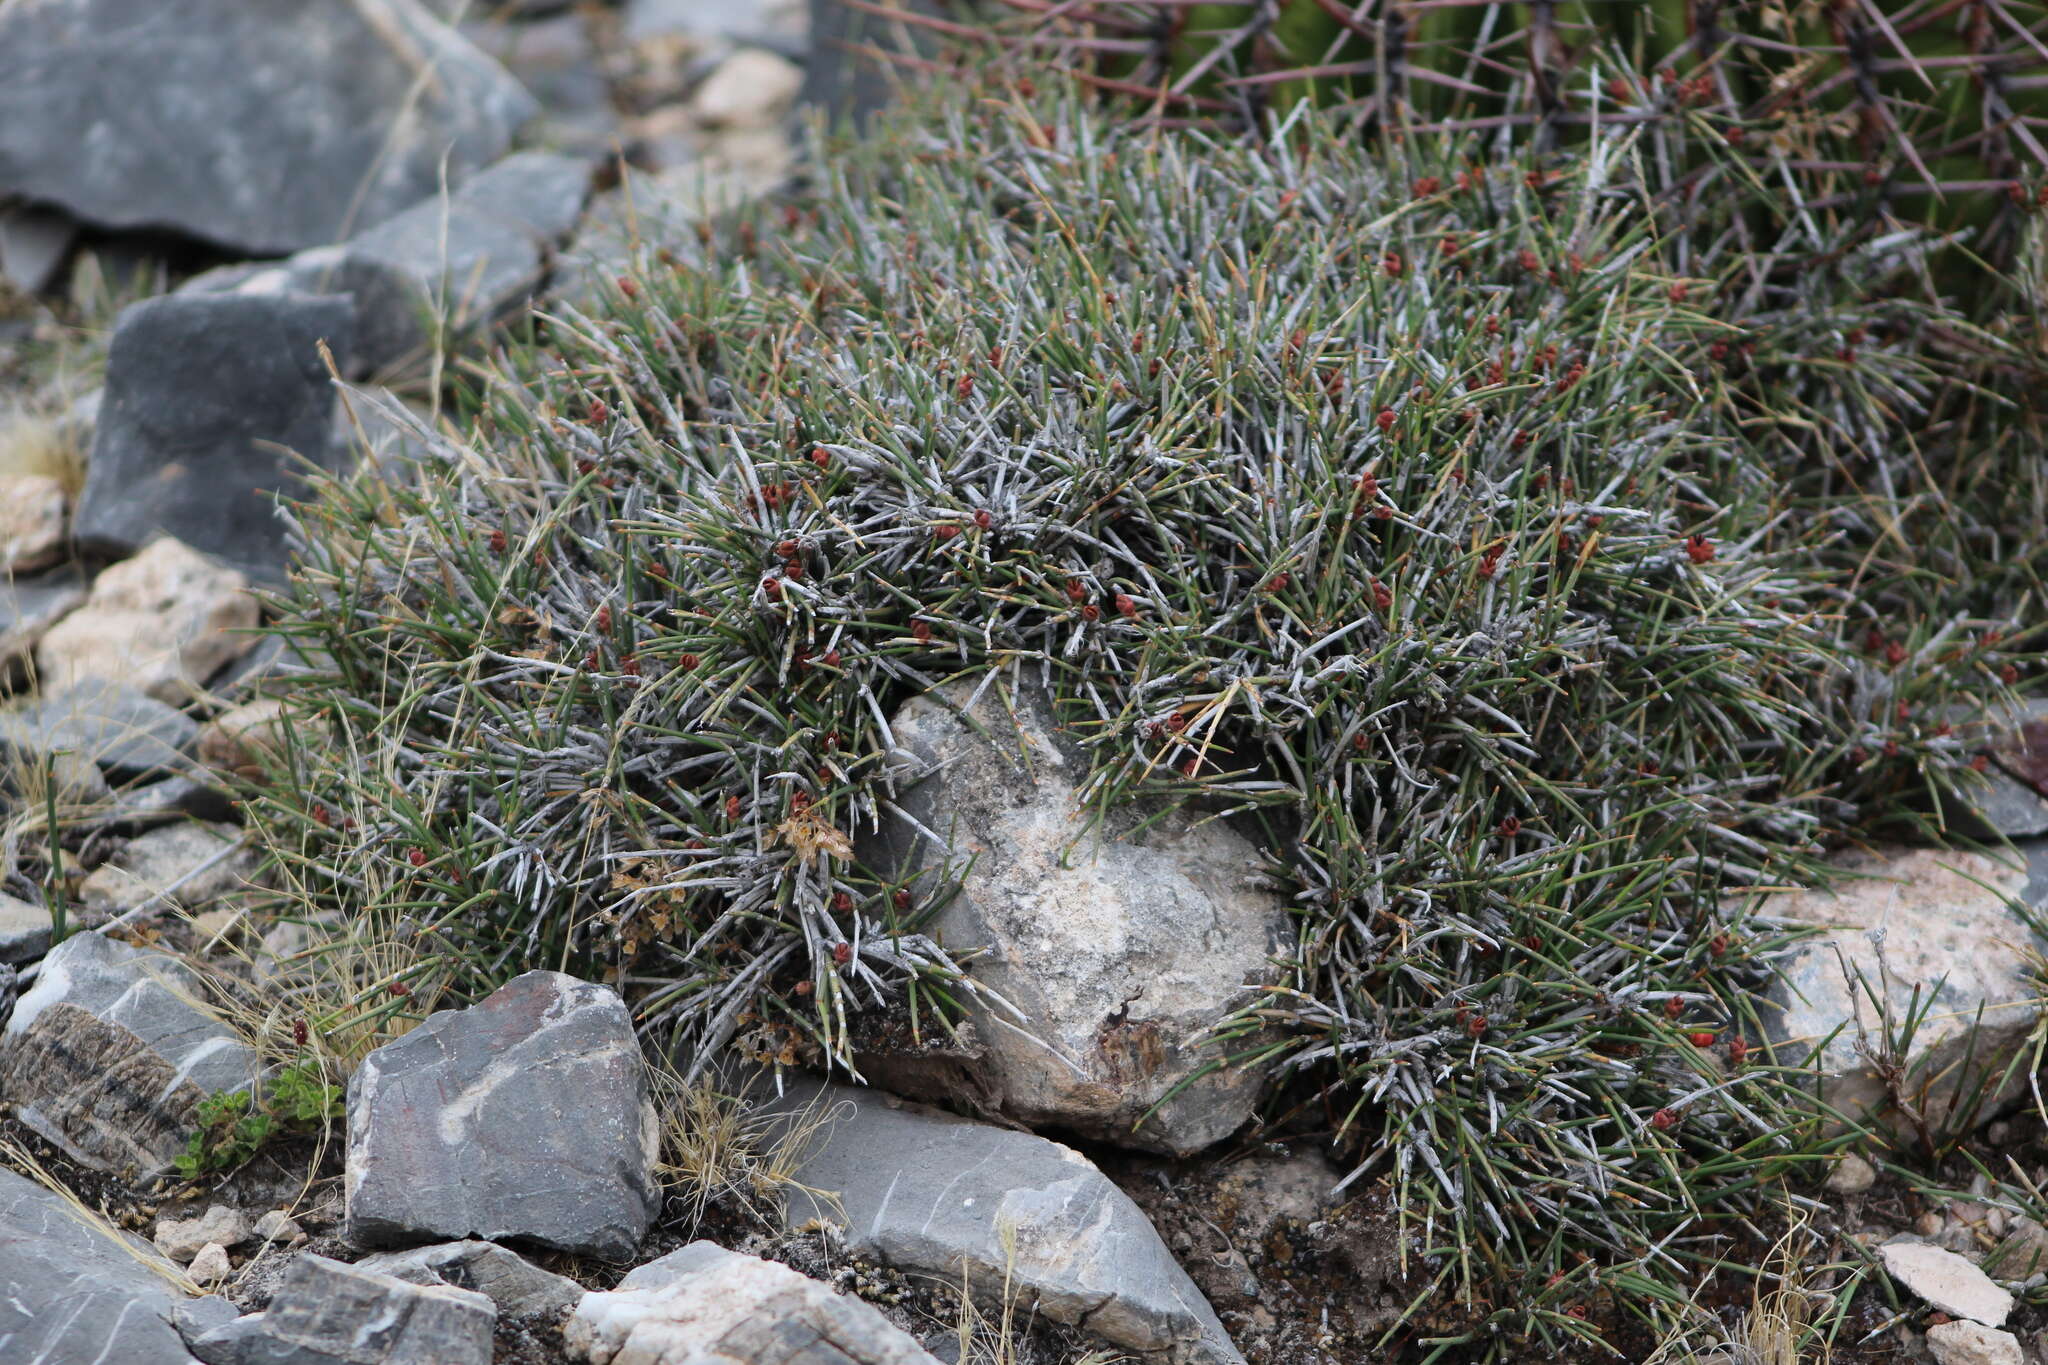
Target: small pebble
211	1265
1852	1175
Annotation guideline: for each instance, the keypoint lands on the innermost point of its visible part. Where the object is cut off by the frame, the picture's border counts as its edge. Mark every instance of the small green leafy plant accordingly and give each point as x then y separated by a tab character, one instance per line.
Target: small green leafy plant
235	1124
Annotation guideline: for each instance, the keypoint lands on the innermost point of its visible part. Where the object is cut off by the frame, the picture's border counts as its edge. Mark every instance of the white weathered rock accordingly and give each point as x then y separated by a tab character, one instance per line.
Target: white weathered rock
211	1265
934	1194
704	1305
1852	1175
1970	1343
32	508
183	1238
183	864
517	1286
1946	1281
525	1116
751	87
279	1226
1948	928
162	622
1119	953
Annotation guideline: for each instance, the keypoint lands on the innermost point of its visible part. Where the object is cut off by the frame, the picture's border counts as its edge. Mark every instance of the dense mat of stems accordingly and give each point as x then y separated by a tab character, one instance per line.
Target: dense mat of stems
1499	562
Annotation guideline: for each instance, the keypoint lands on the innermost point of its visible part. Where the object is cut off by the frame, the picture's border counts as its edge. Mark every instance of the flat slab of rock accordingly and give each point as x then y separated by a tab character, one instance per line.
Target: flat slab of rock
1949	928
445	265
263	129
76	1291
126	732
1946	1281
212	401
523	1117
517	1286
106	1056
1120	953
928	1192
704	1305
30	606
329	1313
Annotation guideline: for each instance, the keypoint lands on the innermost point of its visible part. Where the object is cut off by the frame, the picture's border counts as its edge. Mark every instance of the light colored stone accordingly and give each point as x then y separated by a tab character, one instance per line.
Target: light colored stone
240	736
1948	927
105	723
524	1116
32	508
211	1265
279	1226
749	88
517	1286
184	864
1970	1343
183	1238
937	1195
162	621
1946	1281
1852	1175
1117	950
704	1305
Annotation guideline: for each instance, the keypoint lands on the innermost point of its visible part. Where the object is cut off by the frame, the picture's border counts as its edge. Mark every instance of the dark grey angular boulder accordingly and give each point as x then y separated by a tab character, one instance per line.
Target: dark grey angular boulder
445	265
79	1292
127	733
525	1117
211	403
328	1313
265	128
108	1055
928	1192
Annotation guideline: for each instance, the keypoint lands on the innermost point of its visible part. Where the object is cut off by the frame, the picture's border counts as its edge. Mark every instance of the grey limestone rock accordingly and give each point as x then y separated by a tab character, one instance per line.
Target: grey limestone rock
265	128
929	1192
108	1054
525	1117
704	1305
1119	951
328	1313
31	605
517	1286
444	265
77	1292
127	733
211	403
1943	921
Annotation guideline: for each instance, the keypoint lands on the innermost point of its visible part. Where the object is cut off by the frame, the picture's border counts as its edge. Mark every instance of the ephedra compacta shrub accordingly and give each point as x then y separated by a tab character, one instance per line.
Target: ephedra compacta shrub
1434	517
